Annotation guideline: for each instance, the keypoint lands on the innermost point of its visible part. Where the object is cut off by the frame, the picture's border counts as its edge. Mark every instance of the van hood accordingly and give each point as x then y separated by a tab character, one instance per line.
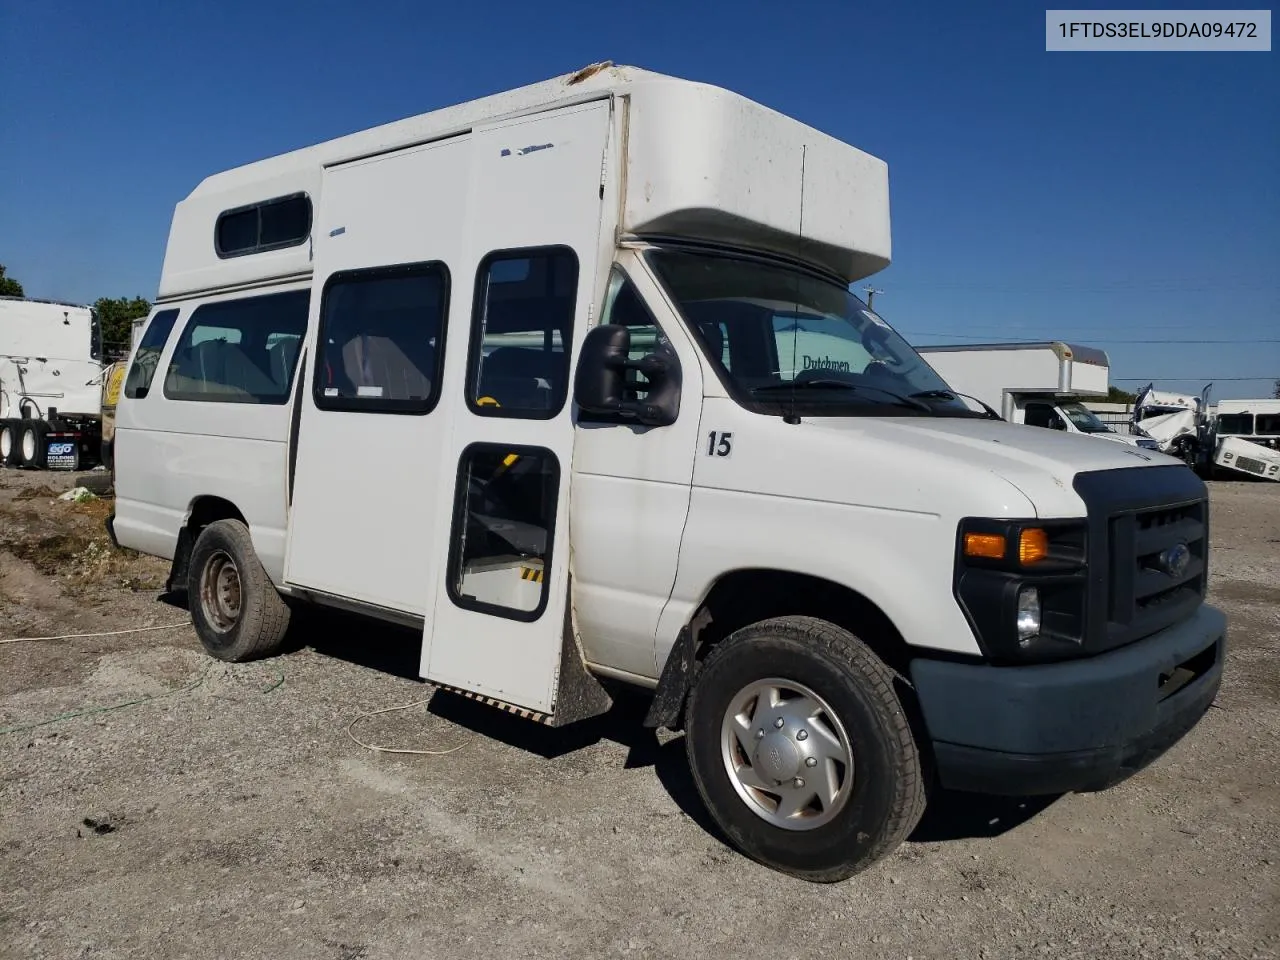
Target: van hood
1041	463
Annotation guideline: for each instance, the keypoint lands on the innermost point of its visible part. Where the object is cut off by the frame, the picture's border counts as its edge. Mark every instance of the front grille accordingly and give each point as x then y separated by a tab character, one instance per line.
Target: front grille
1252	465
1148	591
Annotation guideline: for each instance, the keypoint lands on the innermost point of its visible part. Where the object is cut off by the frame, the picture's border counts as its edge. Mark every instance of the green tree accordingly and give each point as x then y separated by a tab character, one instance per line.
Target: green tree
116	314
9	287
1116	395
1276	391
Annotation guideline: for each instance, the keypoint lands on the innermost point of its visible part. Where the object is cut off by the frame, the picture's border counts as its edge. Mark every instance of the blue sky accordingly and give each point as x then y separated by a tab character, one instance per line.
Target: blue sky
1092	197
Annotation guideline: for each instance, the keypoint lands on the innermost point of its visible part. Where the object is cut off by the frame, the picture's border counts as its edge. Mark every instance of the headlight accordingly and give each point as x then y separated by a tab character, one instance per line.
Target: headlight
1022	585
1146	444
1028	614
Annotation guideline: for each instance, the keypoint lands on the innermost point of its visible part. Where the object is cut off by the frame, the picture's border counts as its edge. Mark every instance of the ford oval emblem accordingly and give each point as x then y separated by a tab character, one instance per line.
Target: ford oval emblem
1175	560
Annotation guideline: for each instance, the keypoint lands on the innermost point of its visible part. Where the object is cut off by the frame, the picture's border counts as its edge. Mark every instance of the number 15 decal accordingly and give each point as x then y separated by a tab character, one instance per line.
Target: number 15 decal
719	443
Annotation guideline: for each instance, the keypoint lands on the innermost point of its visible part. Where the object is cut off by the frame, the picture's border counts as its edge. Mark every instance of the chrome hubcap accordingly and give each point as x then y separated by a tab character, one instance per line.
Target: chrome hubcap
220	592
787	754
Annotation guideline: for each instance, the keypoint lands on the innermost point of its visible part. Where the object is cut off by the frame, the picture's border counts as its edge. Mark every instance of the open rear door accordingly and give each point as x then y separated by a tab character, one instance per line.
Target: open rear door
534	240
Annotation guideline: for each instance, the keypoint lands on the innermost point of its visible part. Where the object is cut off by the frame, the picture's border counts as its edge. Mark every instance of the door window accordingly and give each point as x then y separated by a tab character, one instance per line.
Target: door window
503	526
143	368
1043	415
521	328
381	340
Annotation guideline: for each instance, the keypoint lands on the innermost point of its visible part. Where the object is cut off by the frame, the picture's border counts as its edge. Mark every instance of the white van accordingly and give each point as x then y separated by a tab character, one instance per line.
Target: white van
519	373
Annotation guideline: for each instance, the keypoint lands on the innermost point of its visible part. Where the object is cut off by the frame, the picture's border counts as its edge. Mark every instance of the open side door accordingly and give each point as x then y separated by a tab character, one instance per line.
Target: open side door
501	626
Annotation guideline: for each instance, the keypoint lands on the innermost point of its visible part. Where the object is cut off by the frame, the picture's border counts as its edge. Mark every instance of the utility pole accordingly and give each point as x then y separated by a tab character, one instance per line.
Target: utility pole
871	294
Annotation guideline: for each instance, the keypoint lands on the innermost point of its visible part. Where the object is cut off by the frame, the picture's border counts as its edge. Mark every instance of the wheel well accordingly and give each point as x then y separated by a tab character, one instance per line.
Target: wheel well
203	511
744	597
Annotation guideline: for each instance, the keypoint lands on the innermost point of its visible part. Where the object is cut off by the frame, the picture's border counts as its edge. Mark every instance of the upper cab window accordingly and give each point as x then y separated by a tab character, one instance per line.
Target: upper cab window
521	328
382	339
270	225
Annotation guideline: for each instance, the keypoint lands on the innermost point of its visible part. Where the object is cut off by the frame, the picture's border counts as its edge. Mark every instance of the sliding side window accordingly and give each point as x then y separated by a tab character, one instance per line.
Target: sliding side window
382	339
240	351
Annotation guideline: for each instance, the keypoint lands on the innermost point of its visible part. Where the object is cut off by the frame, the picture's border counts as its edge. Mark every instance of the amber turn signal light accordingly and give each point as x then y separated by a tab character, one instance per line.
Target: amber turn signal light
1033	546
987	545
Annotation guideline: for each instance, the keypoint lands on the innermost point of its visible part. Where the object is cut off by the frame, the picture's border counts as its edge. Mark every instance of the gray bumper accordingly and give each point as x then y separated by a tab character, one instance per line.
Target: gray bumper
1075	725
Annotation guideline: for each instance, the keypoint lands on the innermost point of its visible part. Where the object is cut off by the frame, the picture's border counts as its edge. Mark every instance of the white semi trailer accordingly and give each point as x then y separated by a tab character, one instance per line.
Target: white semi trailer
1038	384
50	376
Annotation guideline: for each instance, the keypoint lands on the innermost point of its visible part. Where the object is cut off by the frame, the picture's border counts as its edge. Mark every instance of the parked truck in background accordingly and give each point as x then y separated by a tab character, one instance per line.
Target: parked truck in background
1239	435
51	367
112	381
1038	384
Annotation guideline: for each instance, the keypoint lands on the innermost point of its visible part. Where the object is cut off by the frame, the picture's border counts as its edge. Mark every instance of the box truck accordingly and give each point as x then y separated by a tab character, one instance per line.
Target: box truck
1038	384
528	374
50	384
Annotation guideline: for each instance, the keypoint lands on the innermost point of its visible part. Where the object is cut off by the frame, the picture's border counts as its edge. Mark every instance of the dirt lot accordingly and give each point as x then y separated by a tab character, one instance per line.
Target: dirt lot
225	812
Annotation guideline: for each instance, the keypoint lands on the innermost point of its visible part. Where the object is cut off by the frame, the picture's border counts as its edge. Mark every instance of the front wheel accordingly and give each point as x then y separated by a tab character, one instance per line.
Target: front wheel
801	750
237	611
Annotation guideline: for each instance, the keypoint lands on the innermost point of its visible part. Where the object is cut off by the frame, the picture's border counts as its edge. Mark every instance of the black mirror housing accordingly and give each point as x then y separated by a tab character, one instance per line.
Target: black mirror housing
599	386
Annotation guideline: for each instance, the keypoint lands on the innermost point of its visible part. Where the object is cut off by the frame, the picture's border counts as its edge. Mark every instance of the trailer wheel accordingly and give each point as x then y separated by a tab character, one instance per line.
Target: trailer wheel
31	453
801	751
10	446
236	610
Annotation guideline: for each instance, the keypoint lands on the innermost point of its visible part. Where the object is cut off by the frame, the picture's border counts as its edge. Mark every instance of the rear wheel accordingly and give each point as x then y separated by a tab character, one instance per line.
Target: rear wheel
235	607
801	750
9	444
31	444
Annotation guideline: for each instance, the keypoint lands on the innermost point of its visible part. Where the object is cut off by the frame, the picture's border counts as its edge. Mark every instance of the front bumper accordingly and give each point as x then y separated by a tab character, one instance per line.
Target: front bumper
1077	725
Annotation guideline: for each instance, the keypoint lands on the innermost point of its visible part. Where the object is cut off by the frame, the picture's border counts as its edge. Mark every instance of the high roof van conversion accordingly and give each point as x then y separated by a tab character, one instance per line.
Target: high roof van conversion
524	374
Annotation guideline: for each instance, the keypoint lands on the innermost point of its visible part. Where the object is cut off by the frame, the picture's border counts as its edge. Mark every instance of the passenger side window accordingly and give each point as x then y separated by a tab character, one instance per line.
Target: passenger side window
521	330
1268	425
381	342
143	368
504	524
624	307
231	351
1043	415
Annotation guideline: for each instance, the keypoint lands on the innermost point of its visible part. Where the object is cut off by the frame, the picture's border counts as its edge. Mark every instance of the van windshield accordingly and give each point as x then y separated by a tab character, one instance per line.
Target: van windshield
1086	420
784	339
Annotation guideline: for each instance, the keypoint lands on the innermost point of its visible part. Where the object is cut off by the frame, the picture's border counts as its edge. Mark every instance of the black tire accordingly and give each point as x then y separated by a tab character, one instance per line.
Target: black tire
32	433
887	793
9	429
261	616
97	483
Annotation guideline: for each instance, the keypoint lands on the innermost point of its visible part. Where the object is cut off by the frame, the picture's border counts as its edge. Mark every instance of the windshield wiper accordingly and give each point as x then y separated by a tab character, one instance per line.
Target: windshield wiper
842	385
952	395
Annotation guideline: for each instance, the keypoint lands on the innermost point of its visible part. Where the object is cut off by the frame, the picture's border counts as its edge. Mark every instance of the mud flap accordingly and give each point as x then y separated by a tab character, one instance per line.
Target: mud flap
667	708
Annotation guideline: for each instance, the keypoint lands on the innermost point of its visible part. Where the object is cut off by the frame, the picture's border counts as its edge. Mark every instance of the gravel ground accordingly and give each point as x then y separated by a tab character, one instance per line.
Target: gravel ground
226	812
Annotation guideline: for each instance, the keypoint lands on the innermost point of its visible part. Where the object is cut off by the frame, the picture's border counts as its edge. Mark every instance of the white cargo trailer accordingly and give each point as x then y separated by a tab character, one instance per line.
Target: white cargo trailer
50	384
1038	384
522	373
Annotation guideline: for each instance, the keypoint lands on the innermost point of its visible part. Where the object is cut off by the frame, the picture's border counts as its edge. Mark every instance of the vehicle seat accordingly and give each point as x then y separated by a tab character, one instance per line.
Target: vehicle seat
376	358
518	377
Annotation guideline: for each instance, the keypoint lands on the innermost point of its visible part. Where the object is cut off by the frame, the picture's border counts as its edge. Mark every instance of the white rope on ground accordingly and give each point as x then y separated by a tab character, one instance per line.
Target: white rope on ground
109	633
378	749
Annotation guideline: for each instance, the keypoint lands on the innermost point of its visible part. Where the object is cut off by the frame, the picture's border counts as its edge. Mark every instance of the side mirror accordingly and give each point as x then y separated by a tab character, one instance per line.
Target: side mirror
599	385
